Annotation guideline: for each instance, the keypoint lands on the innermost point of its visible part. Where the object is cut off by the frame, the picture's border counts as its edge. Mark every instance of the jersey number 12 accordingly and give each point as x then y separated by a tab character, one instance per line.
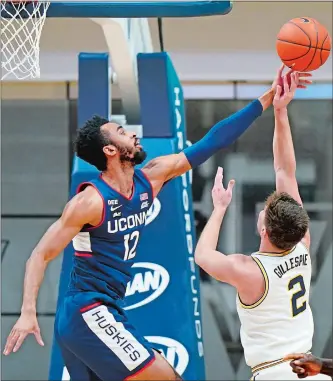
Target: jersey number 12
131	242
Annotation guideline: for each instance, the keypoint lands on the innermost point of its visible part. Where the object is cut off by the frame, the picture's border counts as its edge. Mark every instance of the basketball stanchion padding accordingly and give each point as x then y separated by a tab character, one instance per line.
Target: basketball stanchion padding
163	299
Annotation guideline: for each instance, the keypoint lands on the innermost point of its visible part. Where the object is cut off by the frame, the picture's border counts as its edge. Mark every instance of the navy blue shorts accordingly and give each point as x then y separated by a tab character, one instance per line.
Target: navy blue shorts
98	342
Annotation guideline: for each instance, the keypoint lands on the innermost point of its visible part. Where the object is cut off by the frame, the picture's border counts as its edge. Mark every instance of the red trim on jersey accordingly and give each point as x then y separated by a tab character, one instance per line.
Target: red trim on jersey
103	213
151	185
90	307
82	254
141	370
121	194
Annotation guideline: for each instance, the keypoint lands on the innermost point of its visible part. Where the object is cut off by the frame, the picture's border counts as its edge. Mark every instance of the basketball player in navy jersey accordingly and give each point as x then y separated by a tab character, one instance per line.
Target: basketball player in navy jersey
104	220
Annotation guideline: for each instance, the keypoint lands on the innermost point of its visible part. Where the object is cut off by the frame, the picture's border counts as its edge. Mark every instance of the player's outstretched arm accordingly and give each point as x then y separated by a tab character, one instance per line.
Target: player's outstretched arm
305	365
86	207
220	136
283	147
235	268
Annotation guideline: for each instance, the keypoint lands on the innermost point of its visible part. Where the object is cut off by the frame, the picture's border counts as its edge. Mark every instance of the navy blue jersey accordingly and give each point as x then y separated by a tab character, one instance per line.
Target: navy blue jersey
105	253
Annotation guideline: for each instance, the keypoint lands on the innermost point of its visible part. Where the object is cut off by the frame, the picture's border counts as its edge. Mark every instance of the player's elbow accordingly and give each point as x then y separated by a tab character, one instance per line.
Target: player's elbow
287	169
200	256
41	257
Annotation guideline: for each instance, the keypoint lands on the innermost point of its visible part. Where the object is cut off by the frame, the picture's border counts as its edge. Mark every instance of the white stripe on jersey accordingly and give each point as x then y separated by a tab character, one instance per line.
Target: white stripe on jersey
116	337
81	242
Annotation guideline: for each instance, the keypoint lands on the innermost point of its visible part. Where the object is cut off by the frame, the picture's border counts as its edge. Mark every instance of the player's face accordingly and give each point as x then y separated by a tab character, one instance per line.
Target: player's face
125	144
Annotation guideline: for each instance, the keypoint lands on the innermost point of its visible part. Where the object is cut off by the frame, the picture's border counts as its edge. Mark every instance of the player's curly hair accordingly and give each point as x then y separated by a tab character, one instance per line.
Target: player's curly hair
90	141
286	221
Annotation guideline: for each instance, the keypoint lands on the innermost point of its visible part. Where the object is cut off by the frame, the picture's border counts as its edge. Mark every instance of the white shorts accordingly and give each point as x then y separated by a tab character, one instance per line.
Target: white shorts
283	372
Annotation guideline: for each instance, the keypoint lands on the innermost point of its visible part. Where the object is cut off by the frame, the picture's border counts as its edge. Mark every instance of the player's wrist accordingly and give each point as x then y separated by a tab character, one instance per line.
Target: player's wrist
28	310
326	367
219	211
281	112
267	99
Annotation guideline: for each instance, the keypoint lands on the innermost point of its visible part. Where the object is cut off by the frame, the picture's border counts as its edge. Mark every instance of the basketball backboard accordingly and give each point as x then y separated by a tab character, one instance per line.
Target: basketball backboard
137	9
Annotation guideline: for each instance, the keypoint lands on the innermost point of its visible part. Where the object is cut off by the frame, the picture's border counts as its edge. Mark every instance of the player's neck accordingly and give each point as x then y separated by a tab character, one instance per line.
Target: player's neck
120	178
267	247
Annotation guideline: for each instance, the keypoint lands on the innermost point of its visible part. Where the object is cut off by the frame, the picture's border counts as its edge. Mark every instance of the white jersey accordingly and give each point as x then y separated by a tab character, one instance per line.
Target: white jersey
281	321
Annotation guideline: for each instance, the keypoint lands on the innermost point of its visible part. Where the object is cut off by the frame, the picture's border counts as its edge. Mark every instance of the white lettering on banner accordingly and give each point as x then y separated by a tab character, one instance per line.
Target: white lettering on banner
188	227
152	278
173	351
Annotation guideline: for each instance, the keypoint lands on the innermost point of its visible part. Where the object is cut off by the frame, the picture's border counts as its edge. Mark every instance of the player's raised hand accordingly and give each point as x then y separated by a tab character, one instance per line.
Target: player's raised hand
303	81
304	365
221	196
285	93
26	324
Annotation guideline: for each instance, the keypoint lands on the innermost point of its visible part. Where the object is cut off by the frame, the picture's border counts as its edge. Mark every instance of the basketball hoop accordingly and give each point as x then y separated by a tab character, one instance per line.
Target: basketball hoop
21	24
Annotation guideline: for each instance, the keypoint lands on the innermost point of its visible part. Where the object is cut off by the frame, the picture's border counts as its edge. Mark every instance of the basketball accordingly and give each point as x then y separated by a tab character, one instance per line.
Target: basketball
303	44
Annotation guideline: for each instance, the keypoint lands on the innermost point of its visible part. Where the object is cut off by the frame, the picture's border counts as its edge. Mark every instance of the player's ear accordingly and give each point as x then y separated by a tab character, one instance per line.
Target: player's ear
110	150
263	232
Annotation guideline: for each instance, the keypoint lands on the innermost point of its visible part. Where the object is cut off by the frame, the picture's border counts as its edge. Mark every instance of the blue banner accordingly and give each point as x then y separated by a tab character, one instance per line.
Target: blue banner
164	298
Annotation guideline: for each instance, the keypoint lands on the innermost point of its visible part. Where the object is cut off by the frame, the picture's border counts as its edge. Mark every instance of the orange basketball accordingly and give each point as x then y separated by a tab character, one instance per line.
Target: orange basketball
304	43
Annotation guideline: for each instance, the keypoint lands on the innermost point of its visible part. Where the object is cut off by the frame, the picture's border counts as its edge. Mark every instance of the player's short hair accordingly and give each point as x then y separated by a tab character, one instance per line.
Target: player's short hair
90	141
286	221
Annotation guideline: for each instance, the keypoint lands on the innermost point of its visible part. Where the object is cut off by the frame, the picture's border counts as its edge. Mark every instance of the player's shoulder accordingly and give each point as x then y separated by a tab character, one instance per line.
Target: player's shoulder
87	200
247	263
88	195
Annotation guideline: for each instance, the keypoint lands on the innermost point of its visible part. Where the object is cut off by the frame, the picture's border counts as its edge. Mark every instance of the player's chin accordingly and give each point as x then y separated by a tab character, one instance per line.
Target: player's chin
139	156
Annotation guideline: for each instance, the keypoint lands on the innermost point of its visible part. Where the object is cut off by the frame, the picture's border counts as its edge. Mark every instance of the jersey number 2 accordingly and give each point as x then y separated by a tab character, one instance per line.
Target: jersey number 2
296	310
131	240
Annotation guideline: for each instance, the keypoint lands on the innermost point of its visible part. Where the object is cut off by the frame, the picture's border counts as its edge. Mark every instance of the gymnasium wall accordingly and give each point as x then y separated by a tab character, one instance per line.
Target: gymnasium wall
238	46
35	161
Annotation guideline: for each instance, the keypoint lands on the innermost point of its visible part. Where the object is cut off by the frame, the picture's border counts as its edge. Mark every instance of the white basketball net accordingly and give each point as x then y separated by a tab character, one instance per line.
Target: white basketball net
21	24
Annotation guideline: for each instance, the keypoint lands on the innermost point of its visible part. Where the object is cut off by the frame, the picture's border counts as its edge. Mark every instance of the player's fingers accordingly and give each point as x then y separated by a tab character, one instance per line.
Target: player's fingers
289	71
294	356
301	361
285	85
19	342
308	81
38	337
302	87
294	82
219	176
297	369
11	341
302	375
278	92
302	74
280	70
231	185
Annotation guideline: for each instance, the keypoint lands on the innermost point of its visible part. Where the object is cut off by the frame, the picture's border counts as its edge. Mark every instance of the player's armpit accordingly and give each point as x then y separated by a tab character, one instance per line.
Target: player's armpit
235	269
164	168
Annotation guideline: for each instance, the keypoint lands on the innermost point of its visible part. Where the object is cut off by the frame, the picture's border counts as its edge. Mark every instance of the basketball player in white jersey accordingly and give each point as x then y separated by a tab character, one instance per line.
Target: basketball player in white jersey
273	284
